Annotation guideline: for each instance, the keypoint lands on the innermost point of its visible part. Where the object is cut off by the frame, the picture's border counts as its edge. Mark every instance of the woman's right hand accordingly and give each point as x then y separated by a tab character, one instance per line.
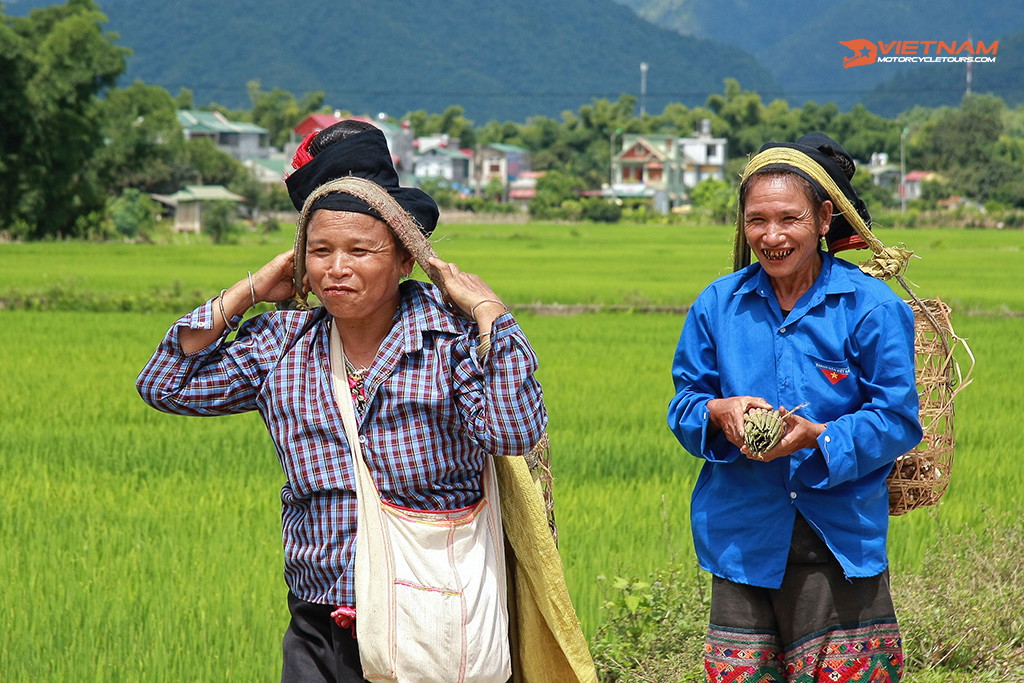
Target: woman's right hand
273	282
727	414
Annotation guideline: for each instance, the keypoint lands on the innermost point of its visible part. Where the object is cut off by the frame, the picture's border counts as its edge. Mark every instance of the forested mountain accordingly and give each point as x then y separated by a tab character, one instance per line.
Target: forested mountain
500	61
798	41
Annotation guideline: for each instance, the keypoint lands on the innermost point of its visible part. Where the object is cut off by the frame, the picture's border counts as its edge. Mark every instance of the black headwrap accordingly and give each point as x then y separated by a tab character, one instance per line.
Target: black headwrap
839	166
363	155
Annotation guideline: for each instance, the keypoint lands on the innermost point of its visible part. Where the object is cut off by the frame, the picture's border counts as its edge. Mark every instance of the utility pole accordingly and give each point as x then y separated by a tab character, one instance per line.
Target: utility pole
903	170
643	88
969	65
611	159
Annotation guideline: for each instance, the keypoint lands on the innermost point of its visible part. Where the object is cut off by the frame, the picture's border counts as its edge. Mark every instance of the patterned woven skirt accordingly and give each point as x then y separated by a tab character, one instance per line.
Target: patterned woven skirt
818	627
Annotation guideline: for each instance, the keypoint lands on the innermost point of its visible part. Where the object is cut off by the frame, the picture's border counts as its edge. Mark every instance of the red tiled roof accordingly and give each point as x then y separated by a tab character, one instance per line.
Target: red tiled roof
315	122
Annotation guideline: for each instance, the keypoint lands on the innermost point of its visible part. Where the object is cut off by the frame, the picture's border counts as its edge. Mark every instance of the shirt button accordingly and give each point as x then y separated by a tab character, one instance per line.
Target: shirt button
782	330
792	494
828	439
362	439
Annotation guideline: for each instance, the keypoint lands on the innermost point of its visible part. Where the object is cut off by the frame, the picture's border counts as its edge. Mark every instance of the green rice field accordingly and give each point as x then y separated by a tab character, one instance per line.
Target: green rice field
142	546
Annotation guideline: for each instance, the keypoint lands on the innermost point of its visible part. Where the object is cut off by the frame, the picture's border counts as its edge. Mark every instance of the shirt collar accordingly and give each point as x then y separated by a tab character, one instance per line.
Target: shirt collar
420	312
833	279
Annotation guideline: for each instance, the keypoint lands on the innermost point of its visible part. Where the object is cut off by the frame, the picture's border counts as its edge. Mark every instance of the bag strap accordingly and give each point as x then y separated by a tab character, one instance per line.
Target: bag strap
339	376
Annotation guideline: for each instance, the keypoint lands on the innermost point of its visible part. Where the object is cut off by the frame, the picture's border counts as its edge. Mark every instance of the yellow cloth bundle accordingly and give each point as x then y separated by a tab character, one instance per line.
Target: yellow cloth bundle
547	641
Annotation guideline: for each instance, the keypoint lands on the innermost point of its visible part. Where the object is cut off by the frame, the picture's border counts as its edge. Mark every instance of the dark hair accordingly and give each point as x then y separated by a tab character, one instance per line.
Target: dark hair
339	131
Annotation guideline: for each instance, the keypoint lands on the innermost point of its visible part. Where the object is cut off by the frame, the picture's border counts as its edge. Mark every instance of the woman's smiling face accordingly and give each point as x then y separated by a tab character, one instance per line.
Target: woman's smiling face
353	264
783	227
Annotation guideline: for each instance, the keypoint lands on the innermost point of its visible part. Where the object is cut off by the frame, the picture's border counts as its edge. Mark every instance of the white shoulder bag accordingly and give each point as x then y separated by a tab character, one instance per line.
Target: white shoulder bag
431	602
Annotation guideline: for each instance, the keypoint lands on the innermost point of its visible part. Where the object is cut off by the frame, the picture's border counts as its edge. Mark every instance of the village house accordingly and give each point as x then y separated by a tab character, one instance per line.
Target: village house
187	204
913	181
665	167
241	140
443	162
505	162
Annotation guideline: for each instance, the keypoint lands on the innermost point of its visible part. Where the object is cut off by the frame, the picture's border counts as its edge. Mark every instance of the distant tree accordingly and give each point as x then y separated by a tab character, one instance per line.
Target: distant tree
963	137
72	62
185	99
553	189
219	221
278	111
862	133
144	142
207	165
452	122
600	210
715	200
743	114
133	213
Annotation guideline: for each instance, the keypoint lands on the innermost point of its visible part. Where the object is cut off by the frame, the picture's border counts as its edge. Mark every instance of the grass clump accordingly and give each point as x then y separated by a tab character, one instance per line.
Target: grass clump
961	615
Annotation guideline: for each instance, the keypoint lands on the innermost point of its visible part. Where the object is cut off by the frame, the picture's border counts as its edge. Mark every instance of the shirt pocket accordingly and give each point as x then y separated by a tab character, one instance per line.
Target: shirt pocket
831	387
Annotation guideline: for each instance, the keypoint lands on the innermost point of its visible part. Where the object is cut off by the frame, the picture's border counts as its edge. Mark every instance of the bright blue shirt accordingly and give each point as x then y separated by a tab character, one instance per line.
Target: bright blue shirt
847	350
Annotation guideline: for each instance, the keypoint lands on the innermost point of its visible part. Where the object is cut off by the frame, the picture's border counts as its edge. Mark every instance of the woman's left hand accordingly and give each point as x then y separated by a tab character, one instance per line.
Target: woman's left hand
800	433
470	293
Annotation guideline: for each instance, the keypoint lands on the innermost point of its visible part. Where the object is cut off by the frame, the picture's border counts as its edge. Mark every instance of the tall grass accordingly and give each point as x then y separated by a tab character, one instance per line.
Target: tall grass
141	546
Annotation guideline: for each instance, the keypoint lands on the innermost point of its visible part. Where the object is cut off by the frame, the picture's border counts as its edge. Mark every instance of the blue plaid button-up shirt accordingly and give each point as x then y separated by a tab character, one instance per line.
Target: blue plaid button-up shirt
433	414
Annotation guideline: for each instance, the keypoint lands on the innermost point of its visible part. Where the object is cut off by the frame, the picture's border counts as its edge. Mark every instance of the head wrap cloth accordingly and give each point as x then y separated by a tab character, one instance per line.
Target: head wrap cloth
811	158
356	174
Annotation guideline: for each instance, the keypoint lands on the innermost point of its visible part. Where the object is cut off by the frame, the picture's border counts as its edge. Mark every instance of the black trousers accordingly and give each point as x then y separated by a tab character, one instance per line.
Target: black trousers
316	649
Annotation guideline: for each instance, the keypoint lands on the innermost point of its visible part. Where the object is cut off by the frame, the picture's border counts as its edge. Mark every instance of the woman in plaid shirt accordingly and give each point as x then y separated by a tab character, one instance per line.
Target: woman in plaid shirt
436	392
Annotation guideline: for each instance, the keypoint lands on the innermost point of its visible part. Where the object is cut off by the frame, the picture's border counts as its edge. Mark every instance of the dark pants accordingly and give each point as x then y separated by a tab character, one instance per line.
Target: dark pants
316	649
818	626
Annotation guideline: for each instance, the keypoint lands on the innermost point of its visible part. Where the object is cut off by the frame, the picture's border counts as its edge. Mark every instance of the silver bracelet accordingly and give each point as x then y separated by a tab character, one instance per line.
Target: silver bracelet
252	290
472	311
220	301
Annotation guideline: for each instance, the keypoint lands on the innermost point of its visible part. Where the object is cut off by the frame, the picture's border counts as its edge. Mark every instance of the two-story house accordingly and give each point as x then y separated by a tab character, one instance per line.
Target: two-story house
444	162
665	167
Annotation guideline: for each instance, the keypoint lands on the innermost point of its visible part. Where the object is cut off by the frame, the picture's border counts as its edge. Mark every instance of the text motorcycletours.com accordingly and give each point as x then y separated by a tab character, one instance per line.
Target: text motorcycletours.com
864	52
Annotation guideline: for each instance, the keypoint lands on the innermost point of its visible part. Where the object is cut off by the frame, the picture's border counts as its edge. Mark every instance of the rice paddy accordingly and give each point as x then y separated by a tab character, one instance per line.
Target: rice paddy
141	546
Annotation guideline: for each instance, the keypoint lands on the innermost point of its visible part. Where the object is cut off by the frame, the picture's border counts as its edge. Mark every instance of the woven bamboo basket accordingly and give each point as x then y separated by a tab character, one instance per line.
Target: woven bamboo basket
920	477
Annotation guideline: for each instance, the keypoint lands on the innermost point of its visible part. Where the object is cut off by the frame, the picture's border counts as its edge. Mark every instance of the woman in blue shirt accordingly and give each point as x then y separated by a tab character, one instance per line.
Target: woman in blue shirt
795	537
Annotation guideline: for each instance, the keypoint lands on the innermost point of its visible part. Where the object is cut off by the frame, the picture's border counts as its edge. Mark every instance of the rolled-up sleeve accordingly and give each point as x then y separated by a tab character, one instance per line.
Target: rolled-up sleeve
216	380
499	397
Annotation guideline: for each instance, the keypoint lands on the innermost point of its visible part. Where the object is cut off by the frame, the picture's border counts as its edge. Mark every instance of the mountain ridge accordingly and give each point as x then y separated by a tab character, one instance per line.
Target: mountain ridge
798	41
499	62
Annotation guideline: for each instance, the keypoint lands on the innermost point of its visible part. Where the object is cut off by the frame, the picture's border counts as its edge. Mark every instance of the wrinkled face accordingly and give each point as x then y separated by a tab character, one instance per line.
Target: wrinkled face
783	228
353	264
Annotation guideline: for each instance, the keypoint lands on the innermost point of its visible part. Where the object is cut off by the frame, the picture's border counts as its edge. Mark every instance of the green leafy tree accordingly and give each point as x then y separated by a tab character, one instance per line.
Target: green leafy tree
133	213
452	122
554	189
278	111
965	136
145	146
207	165
219	221
73	62
715	200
